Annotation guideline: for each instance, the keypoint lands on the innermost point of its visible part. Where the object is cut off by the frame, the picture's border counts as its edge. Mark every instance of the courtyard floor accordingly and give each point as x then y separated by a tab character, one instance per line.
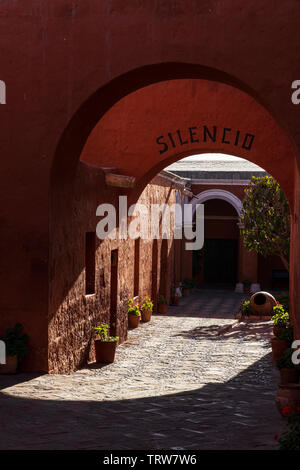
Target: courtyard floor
180	382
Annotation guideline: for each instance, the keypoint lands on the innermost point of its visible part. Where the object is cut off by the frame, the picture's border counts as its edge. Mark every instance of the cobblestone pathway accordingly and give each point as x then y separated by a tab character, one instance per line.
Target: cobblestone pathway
176	384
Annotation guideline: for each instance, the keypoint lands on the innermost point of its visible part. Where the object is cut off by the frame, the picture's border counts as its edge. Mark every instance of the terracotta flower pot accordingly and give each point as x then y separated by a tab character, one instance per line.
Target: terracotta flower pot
278	347
162	308
287	395
175	300
185	292
105	350
146	315
288	375
277	330
11	365
133	321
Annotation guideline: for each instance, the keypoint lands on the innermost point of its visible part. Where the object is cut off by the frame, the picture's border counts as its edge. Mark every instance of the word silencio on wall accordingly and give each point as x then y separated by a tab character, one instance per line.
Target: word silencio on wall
195	135
2	92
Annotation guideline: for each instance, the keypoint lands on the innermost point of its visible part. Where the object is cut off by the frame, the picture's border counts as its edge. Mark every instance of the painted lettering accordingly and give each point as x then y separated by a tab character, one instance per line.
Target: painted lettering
194	135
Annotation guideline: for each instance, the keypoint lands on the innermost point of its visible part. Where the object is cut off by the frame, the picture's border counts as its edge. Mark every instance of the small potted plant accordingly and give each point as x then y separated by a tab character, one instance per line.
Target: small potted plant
282	342
244	310
280	318
174	296
290	439
134	314
247	284
162	304
105	345
146	309
186	288
15	347
289	372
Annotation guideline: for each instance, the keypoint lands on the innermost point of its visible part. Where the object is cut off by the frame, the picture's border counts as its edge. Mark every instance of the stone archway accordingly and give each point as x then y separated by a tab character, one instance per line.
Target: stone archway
137	137
247	262
218	194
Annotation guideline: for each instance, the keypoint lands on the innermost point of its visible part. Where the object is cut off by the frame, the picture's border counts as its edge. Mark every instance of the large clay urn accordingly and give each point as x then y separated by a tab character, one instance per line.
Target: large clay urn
262	303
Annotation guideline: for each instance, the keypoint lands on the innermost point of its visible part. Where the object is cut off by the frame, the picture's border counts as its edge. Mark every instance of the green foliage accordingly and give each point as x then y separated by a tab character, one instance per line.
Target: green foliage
102	331
162	300
266	218
245	308
247	283
290	440
286	360
280	317
287	334
147	303
133	309
189	284
16	341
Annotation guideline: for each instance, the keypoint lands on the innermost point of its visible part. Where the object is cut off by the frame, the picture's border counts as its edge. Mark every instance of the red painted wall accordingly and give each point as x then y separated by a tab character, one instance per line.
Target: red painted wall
65	65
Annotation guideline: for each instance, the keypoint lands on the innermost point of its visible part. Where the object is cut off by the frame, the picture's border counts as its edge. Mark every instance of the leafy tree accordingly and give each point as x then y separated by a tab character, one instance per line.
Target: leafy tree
266	219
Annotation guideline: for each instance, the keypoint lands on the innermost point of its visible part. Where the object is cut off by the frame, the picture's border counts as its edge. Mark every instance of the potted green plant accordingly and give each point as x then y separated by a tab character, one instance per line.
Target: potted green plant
105	345
282	342
247	284
289	372
15	347
290	439
244	309
186	288
146	309
162	304
280	318
134	314
174	296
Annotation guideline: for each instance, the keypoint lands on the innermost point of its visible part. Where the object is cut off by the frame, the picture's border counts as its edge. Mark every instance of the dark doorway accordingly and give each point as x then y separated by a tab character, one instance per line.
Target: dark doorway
114	291
220	261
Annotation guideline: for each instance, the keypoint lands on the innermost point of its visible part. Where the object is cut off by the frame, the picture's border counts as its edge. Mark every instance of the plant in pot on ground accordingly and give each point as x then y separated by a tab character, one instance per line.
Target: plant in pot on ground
282	342
146	308
280	318
105	345
290	439
134	314
244	309
186	287
247	284
289	372
162	304
16	348
174	296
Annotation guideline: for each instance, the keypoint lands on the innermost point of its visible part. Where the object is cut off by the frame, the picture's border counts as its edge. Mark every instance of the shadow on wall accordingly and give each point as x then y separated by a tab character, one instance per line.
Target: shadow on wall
239	414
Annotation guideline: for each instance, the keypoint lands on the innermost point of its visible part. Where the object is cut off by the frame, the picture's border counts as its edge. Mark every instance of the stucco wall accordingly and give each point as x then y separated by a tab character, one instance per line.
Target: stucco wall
72	314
